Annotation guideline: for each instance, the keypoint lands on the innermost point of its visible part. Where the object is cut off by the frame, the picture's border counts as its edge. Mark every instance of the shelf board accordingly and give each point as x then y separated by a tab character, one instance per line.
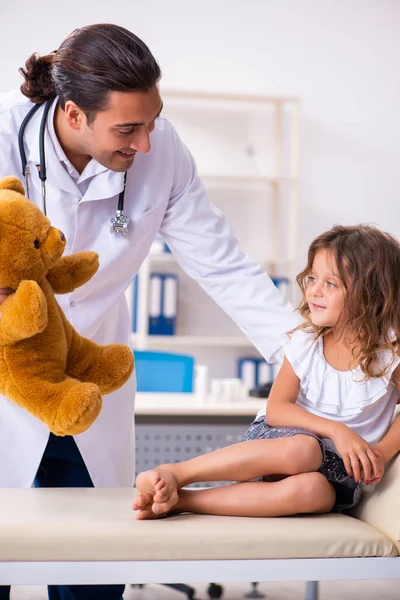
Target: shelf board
163	258
171	341
213	179
166	258
226	97
167	404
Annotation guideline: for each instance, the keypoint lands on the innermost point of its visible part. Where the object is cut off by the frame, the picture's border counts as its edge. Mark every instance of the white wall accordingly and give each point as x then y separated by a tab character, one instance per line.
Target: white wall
341	57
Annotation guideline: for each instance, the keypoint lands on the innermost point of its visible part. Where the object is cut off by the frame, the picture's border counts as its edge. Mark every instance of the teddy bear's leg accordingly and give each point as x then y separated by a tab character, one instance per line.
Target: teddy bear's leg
68	407
107	366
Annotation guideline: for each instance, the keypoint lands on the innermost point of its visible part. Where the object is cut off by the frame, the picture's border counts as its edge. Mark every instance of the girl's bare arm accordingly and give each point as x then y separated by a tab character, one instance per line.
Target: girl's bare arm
282	410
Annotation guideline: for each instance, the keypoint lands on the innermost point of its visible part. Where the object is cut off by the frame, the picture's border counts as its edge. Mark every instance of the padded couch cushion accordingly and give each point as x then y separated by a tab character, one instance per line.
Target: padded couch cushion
381	508
99	525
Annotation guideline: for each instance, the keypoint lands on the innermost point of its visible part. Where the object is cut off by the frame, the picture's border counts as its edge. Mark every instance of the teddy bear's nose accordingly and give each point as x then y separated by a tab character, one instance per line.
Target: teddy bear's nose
62	236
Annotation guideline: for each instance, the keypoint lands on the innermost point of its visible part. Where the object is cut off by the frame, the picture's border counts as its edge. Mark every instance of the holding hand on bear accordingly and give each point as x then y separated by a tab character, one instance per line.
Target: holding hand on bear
45	365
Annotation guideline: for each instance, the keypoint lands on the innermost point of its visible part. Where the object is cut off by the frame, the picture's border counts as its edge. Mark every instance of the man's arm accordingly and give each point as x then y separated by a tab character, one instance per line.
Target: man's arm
205	246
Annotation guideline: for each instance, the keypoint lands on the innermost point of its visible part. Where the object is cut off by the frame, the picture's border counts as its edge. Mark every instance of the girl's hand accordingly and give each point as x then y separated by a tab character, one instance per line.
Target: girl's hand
360	460
382	463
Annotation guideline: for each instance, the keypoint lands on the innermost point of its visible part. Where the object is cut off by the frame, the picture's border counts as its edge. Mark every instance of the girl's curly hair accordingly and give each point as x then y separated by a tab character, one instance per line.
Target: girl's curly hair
368	262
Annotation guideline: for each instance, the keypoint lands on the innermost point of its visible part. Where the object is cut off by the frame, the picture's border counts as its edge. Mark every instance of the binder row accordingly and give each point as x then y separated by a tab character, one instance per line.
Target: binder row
282	283
255	371
163	303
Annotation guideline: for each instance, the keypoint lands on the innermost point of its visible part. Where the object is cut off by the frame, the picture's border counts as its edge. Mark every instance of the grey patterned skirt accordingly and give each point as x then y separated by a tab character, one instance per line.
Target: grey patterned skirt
348	492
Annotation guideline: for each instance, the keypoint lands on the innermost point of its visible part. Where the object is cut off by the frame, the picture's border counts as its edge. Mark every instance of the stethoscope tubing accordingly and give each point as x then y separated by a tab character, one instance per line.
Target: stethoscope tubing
119	224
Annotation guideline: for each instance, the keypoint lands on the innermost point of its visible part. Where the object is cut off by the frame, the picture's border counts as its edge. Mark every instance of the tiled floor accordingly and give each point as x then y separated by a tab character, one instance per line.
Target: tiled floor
340	590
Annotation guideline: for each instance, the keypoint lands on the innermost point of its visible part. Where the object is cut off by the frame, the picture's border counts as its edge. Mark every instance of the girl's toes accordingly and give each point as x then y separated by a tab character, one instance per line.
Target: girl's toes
162	495
160	485
142	500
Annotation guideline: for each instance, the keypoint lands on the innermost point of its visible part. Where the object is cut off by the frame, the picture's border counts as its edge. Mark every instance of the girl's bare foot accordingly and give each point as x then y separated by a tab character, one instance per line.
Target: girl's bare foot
143	503
162	485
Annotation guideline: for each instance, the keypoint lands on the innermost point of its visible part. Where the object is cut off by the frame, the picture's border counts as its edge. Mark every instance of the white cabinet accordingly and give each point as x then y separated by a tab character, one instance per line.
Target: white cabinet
247	153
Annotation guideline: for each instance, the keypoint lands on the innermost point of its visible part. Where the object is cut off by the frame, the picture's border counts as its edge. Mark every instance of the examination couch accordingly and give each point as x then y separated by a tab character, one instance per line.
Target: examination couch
85	536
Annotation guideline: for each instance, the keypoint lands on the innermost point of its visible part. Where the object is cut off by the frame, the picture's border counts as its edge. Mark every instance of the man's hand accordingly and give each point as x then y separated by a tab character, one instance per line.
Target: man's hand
360	459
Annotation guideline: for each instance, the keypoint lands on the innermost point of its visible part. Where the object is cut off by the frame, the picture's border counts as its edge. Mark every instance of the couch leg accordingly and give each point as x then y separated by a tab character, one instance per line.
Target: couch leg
312	590
254	592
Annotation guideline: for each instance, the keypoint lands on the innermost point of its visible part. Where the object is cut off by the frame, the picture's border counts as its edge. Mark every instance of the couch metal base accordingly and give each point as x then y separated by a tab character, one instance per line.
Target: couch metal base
309	569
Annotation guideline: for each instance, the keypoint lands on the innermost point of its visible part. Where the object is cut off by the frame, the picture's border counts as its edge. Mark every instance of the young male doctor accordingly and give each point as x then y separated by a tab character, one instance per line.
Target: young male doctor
103	137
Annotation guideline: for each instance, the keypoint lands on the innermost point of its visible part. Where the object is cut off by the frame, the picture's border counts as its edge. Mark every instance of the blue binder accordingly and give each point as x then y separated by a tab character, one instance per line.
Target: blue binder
254	371
283	284
169	304
247	371
163	303
135	294
155	304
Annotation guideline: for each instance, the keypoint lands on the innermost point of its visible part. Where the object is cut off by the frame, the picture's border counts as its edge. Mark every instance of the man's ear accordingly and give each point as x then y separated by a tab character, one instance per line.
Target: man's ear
12	183
74	115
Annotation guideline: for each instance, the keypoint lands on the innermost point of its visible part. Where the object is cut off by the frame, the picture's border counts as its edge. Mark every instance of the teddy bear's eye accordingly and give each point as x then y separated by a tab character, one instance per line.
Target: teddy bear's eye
36	244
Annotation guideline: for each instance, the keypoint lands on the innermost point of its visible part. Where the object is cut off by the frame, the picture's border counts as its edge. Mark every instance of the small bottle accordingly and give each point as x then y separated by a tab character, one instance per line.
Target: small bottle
201	383
216	394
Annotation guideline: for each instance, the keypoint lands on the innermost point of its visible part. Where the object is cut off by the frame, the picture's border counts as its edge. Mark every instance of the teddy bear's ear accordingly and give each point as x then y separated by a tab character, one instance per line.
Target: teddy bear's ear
12	183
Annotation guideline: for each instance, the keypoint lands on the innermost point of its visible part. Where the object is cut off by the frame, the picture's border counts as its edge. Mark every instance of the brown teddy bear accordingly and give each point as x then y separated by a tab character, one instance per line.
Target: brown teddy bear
45	365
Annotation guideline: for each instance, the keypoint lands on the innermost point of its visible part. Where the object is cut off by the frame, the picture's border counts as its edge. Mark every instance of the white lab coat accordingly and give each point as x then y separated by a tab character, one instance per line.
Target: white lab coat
163	193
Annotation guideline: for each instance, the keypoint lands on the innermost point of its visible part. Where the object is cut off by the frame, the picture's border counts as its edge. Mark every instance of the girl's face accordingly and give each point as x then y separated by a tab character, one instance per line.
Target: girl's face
325	292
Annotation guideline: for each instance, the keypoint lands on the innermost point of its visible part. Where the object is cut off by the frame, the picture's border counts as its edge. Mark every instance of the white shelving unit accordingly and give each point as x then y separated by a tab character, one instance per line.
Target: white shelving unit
167	341
247	153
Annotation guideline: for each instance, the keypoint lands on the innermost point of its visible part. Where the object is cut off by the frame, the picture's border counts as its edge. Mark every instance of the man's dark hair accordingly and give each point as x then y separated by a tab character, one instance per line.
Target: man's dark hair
90	63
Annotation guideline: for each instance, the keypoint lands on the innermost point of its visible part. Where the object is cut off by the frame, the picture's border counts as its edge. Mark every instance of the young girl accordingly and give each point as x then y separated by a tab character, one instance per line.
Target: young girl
328	427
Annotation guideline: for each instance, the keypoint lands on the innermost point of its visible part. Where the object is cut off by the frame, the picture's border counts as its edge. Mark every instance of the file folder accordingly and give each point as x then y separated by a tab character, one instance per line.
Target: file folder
264	372
155	304
247	371
169	304
283	284
135	293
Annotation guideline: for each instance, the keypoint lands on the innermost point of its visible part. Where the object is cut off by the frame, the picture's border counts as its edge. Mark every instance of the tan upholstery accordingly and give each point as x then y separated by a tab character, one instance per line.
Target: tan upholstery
98	525
381	508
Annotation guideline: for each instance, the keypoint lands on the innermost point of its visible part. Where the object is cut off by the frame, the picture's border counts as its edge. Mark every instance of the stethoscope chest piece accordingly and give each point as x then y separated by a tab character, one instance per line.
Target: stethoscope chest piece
119	224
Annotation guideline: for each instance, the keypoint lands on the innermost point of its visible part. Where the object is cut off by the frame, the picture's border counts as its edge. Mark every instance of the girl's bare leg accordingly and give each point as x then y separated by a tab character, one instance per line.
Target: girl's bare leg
297	494
241	462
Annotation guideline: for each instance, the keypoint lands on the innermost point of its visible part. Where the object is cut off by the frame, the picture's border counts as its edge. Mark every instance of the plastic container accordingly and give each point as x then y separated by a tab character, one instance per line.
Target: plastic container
164	372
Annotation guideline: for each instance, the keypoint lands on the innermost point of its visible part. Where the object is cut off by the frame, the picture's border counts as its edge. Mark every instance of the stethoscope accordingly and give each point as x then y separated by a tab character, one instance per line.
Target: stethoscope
119	224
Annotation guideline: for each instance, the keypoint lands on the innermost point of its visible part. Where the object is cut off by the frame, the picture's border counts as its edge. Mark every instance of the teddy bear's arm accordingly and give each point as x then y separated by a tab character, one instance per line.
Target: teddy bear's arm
23	314
72	271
